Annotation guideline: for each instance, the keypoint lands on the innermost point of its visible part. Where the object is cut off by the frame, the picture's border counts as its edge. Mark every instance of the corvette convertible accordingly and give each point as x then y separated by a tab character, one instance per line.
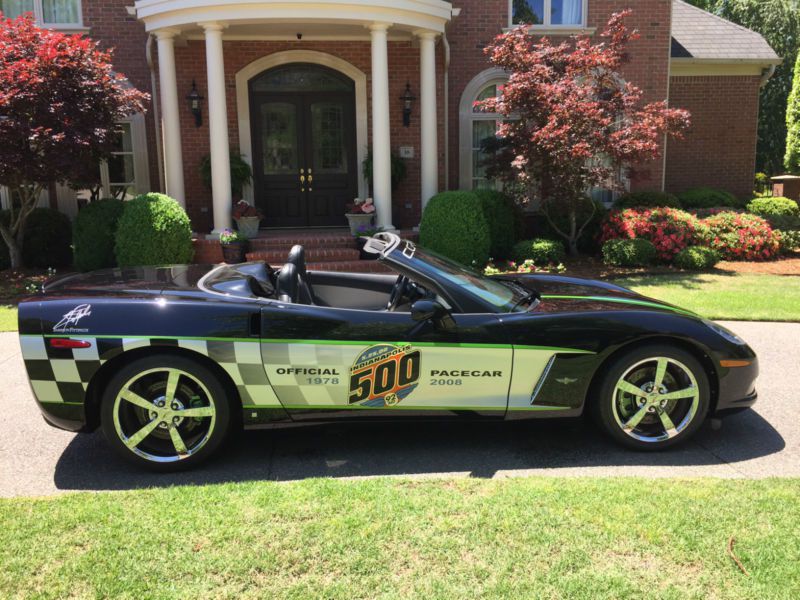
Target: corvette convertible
171	361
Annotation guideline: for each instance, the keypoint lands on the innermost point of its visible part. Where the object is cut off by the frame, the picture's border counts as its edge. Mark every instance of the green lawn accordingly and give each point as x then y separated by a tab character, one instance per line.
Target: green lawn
8	318
733	297
467	538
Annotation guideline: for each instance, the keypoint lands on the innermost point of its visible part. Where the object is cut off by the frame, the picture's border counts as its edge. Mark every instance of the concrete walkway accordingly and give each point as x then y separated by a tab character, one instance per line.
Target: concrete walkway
36	459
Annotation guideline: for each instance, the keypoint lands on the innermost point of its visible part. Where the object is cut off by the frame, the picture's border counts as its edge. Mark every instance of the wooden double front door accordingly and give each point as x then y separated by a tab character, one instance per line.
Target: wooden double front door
305	169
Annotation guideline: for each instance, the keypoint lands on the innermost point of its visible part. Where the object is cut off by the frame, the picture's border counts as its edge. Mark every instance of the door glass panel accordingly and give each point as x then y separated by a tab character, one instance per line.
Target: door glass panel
279	138
301	78
328	138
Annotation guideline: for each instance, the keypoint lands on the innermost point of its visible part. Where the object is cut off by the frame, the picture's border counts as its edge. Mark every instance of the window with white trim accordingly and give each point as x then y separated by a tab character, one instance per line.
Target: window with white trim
548	13
482	126
59	14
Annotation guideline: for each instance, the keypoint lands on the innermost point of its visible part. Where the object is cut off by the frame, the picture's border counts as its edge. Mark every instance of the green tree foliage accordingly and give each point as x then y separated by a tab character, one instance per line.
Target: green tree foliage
792	158
779	22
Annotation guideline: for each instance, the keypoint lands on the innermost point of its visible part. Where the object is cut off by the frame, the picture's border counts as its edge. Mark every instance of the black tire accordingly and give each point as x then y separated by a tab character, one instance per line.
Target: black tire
613	408
198	389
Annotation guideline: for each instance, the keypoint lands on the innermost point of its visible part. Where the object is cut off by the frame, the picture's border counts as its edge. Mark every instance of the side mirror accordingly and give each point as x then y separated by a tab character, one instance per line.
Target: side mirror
430	310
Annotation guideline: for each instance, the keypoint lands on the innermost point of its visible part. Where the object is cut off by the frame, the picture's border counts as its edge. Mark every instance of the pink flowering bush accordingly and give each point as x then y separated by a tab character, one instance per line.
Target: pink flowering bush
741	237
670	230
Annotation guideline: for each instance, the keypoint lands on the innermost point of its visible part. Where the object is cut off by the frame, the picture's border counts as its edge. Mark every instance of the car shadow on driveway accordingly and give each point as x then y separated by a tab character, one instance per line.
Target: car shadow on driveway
429	449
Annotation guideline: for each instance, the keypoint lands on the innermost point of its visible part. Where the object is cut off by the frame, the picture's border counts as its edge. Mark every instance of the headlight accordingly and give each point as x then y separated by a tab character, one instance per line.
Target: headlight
726	333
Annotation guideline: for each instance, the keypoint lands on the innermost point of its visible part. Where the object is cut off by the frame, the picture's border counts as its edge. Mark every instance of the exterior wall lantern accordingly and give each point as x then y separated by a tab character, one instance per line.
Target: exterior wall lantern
408	103
196	105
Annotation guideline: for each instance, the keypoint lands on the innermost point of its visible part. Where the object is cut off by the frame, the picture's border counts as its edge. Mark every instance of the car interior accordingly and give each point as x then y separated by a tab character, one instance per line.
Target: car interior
294	284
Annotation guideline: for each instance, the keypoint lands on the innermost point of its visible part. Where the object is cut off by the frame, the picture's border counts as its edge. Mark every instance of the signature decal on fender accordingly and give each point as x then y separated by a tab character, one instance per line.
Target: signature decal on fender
72	318
383	375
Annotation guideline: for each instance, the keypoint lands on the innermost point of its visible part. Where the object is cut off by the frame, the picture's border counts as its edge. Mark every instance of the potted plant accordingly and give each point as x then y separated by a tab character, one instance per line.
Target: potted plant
234	246
241	174
363	233
359	214
247	218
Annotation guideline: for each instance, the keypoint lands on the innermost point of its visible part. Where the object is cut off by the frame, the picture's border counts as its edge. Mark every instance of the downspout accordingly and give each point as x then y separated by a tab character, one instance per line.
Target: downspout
156	112
446	45
767	75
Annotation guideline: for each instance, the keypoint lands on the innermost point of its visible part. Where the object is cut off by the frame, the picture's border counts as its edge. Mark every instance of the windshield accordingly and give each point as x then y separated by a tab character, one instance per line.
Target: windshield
505	296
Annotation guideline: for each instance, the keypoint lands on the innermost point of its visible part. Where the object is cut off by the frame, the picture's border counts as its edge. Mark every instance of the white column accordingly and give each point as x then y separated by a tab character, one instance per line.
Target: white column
218	128
381	127
170	118
429	139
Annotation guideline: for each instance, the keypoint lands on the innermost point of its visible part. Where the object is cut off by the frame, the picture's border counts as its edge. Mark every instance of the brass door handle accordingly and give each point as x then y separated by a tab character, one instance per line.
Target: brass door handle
310	178
303	179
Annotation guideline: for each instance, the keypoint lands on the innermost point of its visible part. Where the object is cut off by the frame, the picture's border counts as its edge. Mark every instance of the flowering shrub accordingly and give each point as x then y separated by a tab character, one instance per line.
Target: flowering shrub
242	210
741	237
526	267
704	213
361	207
670	230
228	236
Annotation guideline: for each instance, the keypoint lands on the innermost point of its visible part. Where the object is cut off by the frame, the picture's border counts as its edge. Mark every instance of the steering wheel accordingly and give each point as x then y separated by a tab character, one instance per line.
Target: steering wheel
398	291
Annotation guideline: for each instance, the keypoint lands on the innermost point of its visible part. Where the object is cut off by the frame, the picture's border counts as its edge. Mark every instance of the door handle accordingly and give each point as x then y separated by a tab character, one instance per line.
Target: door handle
302	179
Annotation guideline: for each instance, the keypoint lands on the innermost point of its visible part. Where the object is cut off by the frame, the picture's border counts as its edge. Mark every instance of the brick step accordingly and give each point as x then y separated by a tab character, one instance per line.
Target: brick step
313	254
310	241
350	266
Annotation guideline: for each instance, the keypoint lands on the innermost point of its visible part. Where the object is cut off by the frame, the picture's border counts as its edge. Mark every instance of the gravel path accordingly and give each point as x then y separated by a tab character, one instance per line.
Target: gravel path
36	459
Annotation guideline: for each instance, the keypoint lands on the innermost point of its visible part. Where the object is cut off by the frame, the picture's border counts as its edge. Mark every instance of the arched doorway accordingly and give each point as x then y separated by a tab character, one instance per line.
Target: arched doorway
303	128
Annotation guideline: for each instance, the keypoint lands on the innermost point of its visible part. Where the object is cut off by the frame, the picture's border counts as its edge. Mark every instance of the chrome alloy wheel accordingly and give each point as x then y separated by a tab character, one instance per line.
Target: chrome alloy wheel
164	415
656	399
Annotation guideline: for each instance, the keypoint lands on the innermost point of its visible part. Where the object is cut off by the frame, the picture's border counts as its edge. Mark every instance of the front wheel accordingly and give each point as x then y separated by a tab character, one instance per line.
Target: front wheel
653	397
165	412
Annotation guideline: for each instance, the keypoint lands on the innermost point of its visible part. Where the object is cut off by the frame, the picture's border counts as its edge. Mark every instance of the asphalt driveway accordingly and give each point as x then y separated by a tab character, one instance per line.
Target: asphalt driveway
36	459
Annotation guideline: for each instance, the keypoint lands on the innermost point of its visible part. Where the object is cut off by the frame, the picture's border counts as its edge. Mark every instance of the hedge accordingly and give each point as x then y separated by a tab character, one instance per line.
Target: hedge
541	251
652	199
47	241
502	216
708	198
629	253
93	233
697	258
454	224
153	230
767	207
739	236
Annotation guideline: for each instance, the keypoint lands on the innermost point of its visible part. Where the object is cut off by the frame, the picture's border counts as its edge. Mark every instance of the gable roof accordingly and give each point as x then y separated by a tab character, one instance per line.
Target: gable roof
700	36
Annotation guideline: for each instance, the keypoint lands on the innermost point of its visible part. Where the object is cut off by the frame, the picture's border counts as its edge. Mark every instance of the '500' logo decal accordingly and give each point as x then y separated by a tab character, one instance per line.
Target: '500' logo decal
383	375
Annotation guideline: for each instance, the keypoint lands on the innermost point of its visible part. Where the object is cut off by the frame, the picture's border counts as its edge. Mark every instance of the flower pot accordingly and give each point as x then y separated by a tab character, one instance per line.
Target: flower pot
248	226
361	242
359	220
234	252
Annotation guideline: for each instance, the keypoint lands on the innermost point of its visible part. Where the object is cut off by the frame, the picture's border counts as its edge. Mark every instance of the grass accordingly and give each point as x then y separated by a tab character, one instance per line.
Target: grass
379	538
734	297
8	318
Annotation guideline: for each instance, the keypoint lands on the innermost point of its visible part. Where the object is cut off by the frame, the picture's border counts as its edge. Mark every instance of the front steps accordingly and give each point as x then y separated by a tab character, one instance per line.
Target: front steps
326	250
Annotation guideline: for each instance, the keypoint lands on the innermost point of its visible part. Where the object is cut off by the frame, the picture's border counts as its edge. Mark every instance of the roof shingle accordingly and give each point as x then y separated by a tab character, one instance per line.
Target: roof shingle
699	35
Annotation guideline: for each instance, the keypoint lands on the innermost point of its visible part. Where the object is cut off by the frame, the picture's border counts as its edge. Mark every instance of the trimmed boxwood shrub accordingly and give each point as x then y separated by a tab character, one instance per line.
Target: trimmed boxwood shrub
697	258
767	207
668	229
541	251
153	230
501	215
629	253
454	224
741	237
708	198
93	233
47	242
652	199
790	241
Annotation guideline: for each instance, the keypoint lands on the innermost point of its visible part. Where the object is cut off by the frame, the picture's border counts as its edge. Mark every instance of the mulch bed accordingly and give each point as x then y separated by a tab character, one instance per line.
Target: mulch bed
13	284
593	268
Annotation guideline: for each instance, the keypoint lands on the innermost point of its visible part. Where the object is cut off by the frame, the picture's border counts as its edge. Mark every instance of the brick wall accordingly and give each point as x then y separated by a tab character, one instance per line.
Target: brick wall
110	23
719	150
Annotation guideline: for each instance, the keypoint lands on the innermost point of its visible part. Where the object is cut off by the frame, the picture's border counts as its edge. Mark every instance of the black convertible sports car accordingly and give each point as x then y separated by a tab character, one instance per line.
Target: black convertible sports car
169	361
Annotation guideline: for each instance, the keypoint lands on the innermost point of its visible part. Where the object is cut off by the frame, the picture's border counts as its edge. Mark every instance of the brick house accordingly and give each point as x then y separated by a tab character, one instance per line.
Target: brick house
307	90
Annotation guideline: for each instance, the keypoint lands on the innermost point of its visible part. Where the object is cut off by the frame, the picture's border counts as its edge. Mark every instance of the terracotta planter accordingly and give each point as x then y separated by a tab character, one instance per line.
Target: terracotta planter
234	252
359	220
248	226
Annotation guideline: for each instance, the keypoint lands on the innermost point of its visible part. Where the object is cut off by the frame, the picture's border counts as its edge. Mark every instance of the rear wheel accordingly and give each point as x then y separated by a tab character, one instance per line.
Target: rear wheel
165	412
653	397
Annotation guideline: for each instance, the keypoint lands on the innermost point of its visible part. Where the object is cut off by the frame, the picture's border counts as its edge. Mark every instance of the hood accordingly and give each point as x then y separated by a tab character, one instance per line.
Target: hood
573	294
137	281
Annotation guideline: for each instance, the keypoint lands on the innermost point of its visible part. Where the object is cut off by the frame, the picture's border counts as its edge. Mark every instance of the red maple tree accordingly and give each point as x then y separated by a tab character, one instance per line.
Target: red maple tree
571	121
60	102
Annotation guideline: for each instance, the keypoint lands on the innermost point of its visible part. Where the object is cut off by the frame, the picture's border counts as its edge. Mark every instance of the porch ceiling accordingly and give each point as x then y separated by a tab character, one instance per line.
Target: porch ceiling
319	19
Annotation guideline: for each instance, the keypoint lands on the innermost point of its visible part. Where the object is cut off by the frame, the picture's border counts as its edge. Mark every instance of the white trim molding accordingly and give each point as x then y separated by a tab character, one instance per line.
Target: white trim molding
408	14
278	59
466	116
690	67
